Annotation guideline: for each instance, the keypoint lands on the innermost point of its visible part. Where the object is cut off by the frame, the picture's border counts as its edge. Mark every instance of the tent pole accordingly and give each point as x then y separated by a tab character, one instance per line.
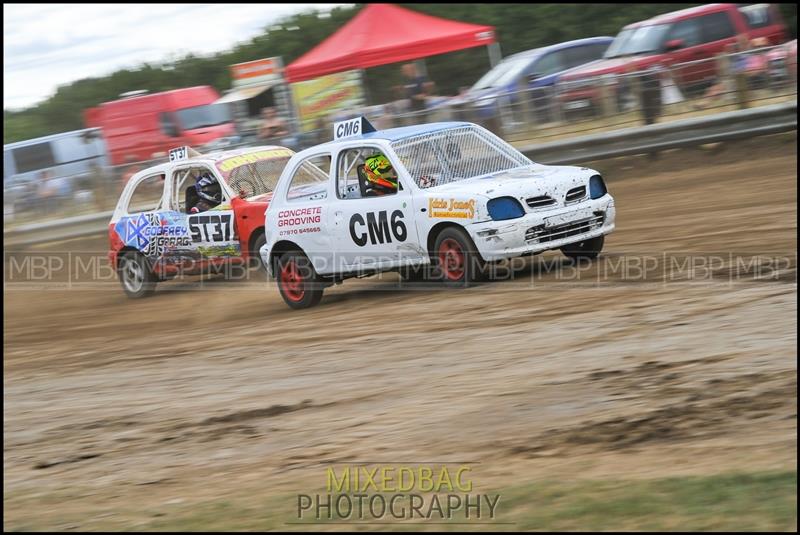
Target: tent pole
494	53
364	87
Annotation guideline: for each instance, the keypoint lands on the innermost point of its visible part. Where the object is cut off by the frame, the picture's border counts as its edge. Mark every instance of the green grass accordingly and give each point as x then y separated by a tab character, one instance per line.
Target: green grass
738	502
728	502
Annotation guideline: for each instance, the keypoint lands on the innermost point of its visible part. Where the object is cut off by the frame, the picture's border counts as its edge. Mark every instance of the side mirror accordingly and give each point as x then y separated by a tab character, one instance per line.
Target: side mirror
674	44
532	77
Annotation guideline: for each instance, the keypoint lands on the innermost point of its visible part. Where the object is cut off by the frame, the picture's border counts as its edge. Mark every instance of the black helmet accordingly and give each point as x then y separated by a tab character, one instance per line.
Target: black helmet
208	188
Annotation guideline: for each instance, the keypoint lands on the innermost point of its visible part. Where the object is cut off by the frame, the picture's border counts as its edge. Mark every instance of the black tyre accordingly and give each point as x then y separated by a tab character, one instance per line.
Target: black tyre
258	271
586	249
298	282
135	275
457	262
255	257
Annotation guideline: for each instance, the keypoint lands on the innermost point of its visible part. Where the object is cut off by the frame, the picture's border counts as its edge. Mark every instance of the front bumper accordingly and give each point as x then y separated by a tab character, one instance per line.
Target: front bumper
544	230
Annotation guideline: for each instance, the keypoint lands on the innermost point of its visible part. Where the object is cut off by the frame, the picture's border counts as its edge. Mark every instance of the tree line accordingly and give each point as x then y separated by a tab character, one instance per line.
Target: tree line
519	27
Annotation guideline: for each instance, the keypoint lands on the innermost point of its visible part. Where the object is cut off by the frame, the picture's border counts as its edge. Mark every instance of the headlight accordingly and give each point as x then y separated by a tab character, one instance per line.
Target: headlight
597	188
503	208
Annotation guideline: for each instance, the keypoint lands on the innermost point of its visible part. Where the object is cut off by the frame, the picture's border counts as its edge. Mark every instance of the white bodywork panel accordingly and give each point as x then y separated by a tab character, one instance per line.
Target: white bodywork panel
341	235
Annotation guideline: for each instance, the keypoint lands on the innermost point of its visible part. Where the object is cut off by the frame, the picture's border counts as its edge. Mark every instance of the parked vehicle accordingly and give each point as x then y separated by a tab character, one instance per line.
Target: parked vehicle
680	40
67	156
537	70
141	127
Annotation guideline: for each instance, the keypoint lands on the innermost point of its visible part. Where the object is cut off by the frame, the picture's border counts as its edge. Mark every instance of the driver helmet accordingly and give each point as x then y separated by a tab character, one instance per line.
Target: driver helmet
380	173
208	188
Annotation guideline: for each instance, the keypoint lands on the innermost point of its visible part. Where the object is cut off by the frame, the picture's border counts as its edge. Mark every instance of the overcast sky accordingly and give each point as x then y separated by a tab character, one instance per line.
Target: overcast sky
47	45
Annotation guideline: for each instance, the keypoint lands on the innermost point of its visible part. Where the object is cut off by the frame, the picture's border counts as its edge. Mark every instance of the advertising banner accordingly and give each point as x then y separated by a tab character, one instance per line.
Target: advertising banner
258	72
322	98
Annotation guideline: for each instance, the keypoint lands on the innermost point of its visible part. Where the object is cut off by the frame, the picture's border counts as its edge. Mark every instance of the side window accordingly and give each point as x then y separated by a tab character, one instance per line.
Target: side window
147	195
578	55
757	15
597	51
687	31
717	26
184	194
352	180
34	157
549	64
258	177
310	179
167	124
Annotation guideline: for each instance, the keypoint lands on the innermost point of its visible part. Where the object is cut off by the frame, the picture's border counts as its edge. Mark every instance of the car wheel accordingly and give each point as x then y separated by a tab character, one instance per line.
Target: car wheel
588	249
298	282
457	262
135	276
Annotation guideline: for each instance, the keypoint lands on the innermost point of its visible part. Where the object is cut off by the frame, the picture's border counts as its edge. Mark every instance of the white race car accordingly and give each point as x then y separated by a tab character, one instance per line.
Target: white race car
464	197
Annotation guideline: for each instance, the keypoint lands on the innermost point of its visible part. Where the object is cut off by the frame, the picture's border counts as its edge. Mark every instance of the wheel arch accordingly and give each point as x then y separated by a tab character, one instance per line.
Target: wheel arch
437	229
251	242
127	249
281	247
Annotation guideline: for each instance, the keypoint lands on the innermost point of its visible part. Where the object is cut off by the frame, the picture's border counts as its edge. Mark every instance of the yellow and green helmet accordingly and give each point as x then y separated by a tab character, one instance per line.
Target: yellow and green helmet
380	173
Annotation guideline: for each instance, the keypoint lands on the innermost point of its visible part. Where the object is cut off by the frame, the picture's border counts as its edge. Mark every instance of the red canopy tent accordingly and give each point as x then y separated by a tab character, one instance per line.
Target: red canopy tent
385	33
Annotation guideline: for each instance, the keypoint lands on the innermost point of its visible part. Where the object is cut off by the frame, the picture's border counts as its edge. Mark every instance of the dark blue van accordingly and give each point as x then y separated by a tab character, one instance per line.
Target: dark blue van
534	69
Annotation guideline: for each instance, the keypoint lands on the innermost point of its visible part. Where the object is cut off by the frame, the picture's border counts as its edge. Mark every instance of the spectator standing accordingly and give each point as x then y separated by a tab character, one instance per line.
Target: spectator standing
99	184
272	126
415	88
650	87
731	66
45	193
397	108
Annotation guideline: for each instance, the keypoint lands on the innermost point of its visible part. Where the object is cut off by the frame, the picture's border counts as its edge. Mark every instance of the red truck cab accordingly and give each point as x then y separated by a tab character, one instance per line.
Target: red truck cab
690	37
147	126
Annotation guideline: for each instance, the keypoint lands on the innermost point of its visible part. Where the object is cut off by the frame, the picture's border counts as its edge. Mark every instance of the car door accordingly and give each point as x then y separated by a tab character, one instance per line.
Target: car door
213	236
371	231
150	225
541	76
701	39
301	214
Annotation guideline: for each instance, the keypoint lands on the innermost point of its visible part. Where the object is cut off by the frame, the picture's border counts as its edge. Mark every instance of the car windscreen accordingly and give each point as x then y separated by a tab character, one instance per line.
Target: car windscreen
503	73
203	116
637	40
254	173
455	154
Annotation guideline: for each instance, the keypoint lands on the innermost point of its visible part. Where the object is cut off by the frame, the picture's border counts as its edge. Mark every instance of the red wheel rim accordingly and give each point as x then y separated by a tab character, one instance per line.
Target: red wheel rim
451	258
291	281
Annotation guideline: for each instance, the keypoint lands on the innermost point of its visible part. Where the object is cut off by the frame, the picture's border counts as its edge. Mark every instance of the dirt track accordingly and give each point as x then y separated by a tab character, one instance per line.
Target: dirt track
199	394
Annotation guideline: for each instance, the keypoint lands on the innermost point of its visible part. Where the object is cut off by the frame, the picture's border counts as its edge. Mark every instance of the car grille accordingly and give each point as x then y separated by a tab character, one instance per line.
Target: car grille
544	234
540	202
575	194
